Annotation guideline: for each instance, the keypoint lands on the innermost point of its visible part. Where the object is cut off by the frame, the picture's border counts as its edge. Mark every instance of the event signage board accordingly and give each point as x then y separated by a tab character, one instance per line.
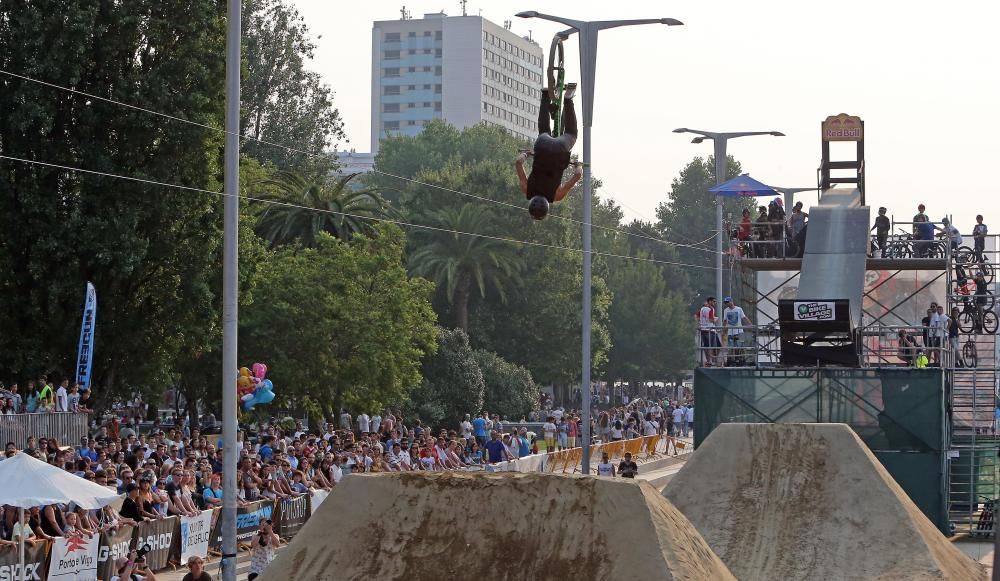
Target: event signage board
194	535
291	515
74	559
157	536
34	562
248	519
843	127
114	545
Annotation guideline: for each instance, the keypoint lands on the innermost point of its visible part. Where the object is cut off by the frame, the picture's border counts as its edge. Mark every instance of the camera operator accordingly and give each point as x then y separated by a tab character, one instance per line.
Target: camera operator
262	549
133	568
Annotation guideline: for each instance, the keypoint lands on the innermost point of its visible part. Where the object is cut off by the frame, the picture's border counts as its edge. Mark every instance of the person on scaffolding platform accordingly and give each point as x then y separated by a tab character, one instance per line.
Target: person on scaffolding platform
551	157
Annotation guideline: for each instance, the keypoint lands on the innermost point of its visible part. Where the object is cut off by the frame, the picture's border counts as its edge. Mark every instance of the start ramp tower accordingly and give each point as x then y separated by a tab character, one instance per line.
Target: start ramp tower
820	325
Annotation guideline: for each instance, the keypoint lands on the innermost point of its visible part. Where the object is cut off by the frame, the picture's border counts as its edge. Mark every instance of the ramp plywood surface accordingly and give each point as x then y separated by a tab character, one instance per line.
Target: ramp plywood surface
808	501
442	526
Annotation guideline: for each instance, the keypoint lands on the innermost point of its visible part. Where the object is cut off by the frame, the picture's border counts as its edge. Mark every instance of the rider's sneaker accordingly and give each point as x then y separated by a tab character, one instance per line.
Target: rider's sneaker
570	91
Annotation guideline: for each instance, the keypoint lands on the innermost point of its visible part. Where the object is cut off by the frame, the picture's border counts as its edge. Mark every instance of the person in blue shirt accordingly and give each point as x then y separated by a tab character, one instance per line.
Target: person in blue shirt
524	448
496	450
265	449
479	429
923	230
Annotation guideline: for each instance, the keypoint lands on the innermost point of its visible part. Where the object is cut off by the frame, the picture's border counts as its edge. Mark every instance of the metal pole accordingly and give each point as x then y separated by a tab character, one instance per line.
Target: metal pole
20	542
720	176
588	66
230	291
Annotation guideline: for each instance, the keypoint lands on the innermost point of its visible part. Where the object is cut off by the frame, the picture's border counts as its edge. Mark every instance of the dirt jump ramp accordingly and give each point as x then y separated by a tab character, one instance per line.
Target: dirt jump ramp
444	526
808	501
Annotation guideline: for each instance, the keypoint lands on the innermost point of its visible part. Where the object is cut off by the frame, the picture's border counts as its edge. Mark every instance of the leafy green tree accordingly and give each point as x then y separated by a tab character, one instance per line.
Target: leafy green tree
340	324
150	251
461	264
283	102
509	389
453	383
688	216
652	337
298	206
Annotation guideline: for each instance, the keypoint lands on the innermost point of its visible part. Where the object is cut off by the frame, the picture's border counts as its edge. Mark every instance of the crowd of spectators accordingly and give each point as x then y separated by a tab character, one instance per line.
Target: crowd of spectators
773	233
42	395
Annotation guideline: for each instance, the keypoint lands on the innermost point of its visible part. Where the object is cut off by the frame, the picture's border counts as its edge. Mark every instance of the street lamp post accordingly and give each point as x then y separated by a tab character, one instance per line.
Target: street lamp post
588	67
721	140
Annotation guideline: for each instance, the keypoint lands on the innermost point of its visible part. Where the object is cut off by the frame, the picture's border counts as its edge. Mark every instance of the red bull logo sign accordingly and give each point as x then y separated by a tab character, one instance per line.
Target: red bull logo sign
843	127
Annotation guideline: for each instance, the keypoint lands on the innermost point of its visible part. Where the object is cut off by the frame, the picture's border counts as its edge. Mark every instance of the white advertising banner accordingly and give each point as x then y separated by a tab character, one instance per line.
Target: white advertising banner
74	559
195	533
317	498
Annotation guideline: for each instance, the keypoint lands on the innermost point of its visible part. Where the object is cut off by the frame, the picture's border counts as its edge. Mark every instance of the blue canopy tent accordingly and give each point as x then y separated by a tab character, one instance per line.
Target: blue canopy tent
742	186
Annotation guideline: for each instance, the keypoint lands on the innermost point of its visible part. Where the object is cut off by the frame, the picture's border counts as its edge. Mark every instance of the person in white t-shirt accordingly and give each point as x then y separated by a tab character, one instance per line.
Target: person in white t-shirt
709	337
549	429
363	422
734	319
466	427
679	419
62	397
605	468
650	427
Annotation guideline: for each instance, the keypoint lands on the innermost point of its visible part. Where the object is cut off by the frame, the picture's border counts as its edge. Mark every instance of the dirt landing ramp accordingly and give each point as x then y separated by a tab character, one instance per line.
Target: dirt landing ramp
808	501
444	526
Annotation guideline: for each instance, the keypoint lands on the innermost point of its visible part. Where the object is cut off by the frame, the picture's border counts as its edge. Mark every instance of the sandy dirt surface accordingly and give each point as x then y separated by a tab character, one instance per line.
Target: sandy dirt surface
444	526
809	501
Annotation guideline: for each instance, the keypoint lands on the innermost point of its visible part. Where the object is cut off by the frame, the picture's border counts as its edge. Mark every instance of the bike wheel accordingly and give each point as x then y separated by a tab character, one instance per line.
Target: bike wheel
969	355
985	268
990	322
963	255
966	321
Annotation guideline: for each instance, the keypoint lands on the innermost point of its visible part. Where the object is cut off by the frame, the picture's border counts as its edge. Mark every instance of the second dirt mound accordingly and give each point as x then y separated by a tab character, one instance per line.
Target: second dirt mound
420	526
808	501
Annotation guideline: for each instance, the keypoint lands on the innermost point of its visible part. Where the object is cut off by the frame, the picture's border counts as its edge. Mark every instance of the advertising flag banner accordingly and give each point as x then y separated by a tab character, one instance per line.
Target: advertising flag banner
85	351
317	499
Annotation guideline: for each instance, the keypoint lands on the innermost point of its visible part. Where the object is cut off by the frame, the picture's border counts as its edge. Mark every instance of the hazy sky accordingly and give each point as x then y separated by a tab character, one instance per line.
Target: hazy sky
924	76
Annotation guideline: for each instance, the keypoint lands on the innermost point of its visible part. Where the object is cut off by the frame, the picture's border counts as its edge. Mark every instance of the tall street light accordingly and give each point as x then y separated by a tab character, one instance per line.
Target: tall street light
720	140
230	290
588	67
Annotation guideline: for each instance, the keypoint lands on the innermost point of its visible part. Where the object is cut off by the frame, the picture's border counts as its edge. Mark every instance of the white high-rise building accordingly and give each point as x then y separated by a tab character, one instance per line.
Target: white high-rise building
463	69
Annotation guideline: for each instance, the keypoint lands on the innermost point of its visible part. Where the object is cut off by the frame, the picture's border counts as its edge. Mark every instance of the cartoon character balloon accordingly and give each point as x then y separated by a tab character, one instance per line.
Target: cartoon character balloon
257	390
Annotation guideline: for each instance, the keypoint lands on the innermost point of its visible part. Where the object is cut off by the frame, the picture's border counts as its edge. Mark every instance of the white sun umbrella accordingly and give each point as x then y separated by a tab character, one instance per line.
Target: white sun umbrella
26	482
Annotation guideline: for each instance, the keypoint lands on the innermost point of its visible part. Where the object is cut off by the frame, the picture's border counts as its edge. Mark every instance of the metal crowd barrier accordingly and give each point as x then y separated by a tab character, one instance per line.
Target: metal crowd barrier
753	346
67	428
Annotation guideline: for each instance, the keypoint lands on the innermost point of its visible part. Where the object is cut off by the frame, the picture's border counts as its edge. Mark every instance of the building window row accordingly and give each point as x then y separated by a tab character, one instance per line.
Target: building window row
509	116
396	107
394	125
395	36
491	91
507	81
509	65
492	39
396	89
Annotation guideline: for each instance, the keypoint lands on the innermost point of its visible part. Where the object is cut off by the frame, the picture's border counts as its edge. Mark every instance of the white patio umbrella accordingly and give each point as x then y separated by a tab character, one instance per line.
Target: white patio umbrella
26	482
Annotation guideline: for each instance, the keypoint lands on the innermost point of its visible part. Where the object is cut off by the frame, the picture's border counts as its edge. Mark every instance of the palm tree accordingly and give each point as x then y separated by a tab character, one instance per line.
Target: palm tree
456	261
317	205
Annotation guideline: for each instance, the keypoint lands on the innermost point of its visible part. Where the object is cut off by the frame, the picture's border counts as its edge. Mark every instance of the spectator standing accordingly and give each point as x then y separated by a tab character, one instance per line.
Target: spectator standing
606	468
734	318
979	232
951	233
73	400
262	549
923	232
627	468
881	229
466	428
689	418
562	430
479	429
956	352
62	397
364	423
549	431
32	398
571	431
709	337
763	233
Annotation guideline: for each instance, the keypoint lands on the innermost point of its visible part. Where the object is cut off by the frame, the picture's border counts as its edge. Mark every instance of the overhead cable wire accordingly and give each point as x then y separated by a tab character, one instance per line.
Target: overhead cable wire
345	214
313	154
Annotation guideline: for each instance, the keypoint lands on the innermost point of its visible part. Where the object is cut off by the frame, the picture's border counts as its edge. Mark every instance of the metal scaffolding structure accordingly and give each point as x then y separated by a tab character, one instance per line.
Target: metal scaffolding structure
898	291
